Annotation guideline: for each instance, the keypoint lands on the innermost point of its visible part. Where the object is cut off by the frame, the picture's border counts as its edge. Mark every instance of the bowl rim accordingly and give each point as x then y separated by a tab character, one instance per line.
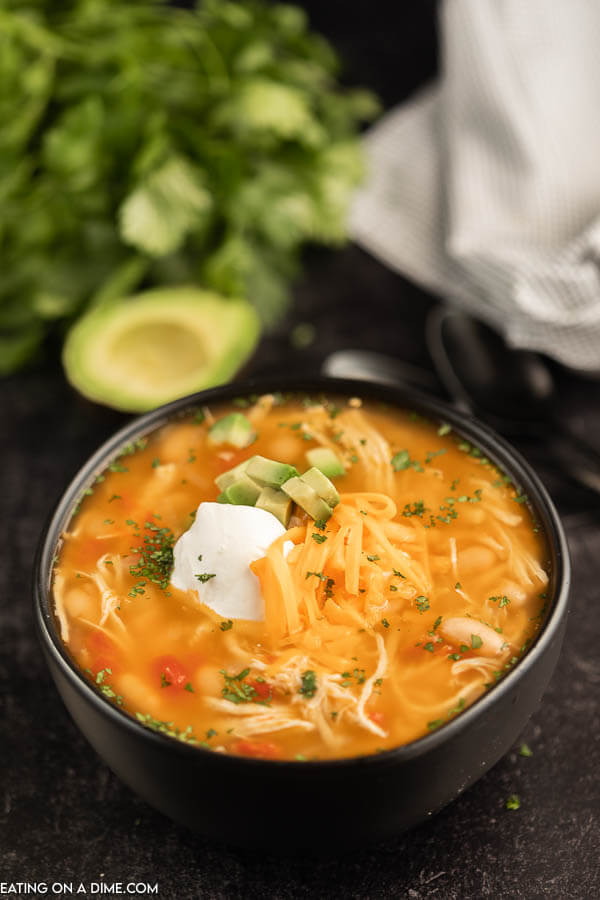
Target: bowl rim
401	396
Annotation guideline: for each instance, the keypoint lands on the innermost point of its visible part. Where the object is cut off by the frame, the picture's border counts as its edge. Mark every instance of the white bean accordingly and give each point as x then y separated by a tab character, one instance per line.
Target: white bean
515	593
79	604
476	558
208	680
462	630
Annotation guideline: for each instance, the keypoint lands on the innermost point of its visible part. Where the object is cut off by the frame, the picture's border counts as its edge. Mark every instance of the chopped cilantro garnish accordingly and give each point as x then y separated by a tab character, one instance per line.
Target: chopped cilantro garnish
401	461
459	706
211	733
117	467
422	603
373	557
168	728
133	447
444	429
205	576
156	555
105	688
385	623
417	508
318	575
225	626
155	462
163	681
236	690
513	802
114	497
429	647
431	454
319	538
189	688
435	724
309	683
398	574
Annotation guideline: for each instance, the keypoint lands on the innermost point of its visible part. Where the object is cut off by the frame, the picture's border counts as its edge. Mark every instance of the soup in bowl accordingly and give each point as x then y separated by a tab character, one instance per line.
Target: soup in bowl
332	587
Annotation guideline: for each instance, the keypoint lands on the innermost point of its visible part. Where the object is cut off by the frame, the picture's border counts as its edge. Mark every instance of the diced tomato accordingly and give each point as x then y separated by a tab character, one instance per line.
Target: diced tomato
262	749
103	652
264	691
170	672
377	717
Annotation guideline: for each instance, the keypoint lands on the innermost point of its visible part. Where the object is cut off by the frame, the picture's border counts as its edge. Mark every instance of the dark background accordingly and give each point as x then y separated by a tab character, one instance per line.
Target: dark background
64	816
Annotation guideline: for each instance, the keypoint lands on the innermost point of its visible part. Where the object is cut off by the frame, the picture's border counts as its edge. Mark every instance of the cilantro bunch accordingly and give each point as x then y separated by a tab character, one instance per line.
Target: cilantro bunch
142	145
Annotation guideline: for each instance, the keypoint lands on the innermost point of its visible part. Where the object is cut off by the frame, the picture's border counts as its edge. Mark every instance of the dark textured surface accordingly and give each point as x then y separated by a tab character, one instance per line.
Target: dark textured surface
64	816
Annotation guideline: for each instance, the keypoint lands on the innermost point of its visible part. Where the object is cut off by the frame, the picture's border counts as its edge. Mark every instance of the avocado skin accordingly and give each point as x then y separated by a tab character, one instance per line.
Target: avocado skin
322	485
302	494
277	503
269	471
229	327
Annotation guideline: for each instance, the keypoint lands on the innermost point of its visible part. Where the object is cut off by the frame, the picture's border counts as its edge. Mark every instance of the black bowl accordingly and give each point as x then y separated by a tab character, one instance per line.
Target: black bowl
315	805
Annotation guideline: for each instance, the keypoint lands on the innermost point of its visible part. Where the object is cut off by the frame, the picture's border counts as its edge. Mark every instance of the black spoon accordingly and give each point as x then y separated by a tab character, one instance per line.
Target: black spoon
513	390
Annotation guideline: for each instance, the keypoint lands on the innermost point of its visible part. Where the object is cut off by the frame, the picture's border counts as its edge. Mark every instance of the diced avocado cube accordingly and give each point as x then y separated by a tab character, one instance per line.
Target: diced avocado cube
324	459
243	492
269	472
277	503
302	494
322	485
226	479
234	429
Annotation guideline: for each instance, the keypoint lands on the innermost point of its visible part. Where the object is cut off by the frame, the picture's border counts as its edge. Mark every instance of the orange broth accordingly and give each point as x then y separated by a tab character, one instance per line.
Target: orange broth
470	551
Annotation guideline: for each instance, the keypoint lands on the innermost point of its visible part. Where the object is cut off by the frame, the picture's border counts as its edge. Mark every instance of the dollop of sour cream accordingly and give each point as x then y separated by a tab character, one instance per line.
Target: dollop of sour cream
221	543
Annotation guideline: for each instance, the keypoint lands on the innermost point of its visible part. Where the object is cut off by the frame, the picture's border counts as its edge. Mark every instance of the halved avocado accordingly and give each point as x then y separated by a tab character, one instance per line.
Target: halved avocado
145	350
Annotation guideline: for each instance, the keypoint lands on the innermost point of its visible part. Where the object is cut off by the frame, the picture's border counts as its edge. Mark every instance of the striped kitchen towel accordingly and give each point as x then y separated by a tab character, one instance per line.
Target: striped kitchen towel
485	188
